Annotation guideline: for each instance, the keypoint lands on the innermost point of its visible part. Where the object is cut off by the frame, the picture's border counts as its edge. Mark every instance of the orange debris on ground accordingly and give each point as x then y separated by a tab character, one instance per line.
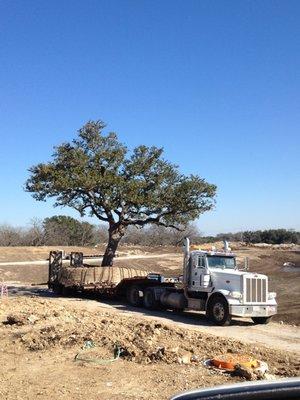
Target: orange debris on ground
230	361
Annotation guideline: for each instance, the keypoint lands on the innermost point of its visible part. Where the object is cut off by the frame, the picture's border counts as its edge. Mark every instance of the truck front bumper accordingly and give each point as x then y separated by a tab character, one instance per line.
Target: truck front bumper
264	310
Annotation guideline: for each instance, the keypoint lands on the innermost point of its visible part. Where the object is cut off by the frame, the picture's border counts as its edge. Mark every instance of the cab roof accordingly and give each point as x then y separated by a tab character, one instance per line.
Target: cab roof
213	253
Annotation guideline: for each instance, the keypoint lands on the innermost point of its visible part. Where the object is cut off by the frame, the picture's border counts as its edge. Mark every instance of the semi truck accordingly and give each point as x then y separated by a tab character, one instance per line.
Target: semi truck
211	282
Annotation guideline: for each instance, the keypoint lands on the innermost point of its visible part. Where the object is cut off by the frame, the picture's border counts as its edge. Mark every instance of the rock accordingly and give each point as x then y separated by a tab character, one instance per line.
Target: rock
270	377
33	319
243	372
252	374
157	354
185	358
15	319
174	350
262	369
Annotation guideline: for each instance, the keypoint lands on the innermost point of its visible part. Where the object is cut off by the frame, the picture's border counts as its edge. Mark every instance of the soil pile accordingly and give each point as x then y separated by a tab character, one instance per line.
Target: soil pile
41	325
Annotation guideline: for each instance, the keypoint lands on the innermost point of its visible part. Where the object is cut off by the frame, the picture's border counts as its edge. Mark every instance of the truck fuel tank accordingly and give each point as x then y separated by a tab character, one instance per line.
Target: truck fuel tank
173	300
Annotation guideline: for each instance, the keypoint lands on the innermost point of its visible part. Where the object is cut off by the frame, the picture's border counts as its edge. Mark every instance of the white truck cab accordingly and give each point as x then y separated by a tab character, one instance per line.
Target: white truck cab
213	283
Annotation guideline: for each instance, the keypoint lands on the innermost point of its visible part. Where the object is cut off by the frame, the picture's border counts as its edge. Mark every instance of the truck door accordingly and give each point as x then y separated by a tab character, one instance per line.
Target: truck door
199	277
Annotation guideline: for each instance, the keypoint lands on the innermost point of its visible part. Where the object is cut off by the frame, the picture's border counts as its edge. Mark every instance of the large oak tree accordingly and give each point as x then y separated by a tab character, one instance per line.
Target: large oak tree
96	174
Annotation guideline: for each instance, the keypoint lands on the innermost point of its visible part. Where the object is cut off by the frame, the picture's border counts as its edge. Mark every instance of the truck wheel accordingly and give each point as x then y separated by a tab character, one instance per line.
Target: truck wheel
133	296
261	320
218	311
150	301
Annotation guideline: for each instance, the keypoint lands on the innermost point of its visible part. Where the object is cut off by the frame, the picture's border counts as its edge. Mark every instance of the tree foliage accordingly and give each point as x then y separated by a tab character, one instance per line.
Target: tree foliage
272	236
269	236
97	175
67	231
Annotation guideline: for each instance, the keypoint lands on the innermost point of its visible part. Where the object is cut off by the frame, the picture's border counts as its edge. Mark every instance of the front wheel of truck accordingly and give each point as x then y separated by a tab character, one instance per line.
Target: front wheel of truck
261	320
218	311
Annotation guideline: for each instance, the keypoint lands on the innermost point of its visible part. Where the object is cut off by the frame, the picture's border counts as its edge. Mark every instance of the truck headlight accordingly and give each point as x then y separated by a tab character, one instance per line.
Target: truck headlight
236	295
272	295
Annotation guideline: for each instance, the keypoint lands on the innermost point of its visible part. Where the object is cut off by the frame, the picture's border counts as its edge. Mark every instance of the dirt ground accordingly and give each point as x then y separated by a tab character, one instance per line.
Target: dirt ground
41	337
27	253
160	355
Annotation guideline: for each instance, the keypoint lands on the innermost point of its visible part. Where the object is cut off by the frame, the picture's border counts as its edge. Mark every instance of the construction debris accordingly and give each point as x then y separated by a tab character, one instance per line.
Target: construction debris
38	324
89	344
228	362
241	365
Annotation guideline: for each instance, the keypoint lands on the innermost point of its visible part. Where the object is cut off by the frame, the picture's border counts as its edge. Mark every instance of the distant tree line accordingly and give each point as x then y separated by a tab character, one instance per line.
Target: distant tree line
272	236
269	236
58	230
61	230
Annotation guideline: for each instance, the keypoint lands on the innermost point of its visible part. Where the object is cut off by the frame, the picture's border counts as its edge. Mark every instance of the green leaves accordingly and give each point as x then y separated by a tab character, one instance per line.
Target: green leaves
64	230
96	174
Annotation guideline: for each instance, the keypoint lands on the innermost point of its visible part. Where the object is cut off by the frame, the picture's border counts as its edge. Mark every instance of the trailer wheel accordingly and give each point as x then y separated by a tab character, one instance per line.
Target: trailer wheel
261	320
150	301
218	311
133	296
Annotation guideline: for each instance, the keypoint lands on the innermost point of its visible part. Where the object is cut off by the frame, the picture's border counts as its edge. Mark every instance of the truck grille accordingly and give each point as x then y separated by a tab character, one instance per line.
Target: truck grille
256	290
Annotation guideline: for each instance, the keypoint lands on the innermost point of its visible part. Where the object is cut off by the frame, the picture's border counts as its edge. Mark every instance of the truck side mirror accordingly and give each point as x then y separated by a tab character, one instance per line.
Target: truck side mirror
246	263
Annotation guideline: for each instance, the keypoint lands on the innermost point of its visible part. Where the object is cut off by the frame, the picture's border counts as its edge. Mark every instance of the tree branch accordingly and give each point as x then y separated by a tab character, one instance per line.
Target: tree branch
99	216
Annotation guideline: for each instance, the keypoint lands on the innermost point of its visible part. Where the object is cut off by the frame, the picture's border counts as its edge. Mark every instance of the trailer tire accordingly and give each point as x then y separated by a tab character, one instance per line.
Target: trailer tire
150	301
261	320
218	310
133	296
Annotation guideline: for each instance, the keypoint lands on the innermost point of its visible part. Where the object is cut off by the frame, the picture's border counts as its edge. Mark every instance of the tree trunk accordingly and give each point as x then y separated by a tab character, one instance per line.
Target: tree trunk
115	234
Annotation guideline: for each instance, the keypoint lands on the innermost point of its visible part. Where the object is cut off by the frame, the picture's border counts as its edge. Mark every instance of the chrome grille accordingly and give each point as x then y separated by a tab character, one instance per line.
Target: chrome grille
256	290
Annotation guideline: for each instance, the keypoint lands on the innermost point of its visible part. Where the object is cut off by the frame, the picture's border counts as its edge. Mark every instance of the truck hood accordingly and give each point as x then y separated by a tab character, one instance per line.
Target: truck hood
235	272
230	279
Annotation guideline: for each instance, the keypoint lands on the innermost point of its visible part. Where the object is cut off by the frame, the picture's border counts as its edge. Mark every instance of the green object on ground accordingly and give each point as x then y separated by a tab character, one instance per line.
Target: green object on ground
89	344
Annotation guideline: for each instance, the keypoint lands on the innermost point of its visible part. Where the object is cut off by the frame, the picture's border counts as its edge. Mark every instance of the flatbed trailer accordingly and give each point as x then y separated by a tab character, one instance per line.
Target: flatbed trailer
114	282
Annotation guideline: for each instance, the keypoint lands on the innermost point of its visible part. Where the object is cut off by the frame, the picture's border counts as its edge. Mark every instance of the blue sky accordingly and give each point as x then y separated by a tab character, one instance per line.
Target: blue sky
216	83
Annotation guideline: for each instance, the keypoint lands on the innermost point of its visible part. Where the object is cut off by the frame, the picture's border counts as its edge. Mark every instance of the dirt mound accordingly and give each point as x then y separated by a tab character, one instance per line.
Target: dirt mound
40	325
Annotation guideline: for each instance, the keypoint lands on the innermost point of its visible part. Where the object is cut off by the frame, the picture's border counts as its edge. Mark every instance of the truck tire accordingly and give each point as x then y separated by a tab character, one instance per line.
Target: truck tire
150	301
133	296
261	320
218	311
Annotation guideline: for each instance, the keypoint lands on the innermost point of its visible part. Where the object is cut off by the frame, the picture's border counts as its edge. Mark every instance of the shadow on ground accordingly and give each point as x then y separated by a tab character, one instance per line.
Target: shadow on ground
186	317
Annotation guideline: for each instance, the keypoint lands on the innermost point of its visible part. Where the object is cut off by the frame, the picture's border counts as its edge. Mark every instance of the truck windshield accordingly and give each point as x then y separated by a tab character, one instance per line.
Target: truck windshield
221	262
